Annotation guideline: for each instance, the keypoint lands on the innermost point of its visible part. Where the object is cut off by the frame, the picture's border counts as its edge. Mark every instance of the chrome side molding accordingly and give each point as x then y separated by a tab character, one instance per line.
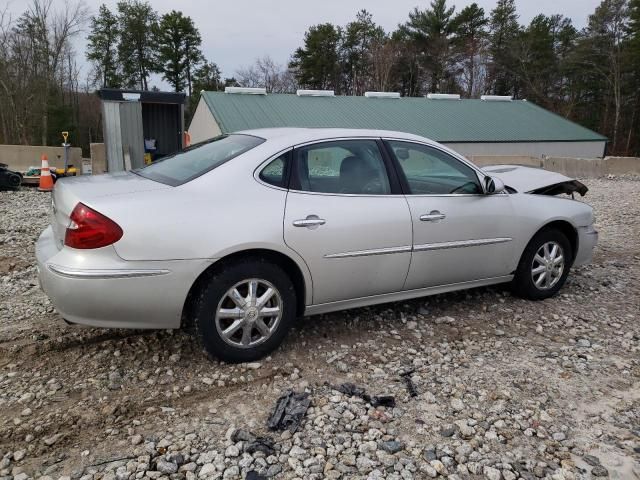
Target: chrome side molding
104	274
365	253
459	244
420	248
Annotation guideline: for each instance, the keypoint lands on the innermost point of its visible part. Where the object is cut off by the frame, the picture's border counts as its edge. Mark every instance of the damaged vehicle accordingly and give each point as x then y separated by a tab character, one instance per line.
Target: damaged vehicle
241	234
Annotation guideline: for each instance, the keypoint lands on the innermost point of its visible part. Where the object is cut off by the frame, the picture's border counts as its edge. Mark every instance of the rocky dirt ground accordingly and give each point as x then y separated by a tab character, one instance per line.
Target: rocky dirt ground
506	388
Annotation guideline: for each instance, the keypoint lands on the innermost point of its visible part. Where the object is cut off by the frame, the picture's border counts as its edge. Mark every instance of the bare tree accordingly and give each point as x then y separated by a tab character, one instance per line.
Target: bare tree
266	73
384	56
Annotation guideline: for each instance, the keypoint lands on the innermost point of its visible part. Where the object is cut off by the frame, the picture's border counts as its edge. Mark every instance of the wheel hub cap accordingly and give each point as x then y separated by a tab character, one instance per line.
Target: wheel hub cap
248	313
547	266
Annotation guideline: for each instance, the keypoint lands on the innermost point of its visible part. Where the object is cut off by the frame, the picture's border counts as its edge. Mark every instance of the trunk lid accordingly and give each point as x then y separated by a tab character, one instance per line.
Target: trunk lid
68	192
535	180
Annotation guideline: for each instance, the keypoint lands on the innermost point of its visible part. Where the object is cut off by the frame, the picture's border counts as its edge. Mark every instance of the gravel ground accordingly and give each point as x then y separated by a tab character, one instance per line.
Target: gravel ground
506	388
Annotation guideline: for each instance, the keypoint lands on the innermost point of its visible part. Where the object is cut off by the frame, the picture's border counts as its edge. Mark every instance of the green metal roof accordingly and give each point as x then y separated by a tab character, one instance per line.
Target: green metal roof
441	120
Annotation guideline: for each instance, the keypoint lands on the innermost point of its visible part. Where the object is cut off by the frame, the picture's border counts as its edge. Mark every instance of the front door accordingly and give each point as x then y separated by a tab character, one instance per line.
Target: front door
348	220
459	233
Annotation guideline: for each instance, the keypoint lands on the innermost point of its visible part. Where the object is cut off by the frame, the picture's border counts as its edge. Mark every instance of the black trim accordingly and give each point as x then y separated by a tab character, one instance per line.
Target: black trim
115	95
288	165
404	183
294	177
400	185
522	141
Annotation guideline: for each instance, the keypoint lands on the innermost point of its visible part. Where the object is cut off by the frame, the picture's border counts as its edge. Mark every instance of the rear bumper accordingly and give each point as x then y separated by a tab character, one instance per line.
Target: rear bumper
99	289
587	240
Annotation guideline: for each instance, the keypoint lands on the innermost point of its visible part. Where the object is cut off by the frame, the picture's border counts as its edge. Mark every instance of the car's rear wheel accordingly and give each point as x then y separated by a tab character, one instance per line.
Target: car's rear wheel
245	310
544	265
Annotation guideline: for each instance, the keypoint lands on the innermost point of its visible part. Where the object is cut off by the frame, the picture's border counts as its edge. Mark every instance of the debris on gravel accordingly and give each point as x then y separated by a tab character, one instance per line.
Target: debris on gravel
505	388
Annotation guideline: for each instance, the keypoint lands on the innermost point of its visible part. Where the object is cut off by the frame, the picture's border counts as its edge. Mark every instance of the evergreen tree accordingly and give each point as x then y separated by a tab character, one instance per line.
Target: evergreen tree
178	45
505	30
432	31
136	51
605	54
102	48
470	28
356	61
543	49
316	64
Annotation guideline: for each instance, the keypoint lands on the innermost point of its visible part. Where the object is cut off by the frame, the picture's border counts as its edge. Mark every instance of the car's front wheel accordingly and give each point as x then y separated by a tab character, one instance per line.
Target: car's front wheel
544	265
245	310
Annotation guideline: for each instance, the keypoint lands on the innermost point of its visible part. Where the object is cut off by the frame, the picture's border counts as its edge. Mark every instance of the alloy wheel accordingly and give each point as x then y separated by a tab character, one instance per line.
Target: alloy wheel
547	266
248	313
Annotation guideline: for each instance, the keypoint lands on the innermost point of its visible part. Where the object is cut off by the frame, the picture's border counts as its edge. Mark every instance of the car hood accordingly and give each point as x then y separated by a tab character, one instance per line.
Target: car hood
535	180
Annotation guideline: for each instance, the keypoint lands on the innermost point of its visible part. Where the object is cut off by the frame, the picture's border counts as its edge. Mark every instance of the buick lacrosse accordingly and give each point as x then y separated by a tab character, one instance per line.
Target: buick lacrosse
241	234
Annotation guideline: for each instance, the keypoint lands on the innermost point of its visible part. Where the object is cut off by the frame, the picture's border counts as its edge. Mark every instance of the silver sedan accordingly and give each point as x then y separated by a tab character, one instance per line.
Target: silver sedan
241	234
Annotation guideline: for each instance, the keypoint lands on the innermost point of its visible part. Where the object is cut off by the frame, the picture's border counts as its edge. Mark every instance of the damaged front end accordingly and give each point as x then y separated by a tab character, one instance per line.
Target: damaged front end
536	180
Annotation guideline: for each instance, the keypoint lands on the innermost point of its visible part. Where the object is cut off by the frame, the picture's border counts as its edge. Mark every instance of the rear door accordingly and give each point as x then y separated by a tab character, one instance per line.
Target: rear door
346	216
459	233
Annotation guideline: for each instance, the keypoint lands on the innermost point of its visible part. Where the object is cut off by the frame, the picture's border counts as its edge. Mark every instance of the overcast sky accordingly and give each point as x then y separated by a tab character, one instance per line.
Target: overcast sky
235	33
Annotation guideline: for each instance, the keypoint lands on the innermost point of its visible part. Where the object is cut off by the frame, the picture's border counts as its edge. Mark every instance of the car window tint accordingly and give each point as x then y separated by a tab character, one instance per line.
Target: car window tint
274	172
430	171
342	166
199	159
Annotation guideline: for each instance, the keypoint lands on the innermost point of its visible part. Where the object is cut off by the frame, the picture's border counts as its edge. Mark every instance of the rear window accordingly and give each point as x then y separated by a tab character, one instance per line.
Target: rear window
199	159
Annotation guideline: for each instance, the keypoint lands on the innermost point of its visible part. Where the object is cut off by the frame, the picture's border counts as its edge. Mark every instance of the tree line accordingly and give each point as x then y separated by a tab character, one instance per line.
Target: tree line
589	75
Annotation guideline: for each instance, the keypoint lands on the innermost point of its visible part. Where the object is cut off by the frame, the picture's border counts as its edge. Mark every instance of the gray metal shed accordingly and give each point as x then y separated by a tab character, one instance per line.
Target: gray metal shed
132	116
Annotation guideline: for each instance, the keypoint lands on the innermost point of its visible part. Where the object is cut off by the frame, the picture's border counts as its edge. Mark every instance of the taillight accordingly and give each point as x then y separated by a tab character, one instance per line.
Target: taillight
90	229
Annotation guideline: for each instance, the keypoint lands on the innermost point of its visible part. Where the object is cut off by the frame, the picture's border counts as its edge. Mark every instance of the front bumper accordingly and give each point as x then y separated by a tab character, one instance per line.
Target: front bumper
587	240
99	289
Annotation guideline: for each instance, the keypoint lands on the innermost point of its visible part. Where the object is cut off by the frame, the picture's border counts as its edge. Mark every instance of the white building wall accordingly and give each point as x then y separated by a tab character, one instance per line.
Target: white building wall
531	149
203	126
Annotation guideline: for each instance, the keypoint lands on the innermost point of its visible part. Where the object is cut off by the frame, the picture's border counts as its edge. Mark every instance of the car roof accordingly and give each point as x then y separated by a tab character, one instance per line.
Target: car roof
301	135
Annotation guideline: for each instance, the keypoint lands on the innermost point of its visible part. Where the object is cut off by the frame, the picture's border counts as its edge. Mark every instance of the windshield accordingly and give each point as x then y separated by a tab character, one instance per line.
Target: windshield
197	160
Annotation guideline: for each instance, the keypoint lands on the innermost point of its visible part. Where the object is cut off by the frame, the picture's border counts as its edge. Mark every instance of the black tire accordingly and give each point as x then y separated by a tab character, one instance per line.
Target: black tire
523	284
214	292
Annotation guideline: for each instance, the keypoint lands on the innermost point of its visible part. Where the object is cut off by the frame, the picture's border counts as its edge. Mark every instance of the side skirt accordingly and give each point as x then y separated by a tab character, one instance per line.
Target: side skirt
403	295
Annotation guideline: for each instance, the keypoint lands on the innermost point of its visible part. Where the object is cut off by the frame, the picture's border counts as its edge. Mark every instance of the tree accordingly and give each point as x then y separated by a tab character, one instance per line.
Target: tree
47	34
207	77
136	50
385	54
634	54
605	34
470	42
265	73
432	31
102	48
178	44
316	64
505	30
543	52
407	72
355	52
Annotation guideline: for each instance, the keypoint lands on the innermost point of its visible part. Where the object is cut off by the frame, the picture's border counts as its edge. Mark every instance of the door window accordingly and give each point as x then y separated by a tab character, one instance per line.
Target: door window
341	166
430	171
275	173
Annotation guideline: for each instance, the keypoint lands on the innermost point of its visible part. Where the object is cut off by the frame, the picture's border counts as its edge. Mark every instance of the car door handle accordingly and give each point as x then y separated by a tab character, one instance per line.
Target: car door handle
310	221
433	216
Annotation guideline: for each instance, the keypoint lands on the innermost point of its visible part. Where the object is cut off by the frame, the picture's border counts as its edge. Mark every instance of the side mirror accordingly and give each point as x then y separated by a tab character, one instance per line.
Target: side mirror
493	185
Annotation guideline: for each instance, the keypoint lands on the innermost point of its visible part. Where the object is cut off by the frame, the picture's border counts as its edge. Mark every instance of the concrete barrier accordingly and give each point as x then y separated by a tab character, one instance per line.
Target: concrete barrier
484	160
571	167
21	157
622	165
576	167
98	158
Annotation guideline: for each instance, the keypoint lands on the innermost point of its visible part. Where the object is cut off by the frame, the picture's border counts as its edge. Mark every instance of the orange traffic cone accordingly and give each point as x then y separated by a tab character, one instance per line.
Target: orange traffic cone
46	180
